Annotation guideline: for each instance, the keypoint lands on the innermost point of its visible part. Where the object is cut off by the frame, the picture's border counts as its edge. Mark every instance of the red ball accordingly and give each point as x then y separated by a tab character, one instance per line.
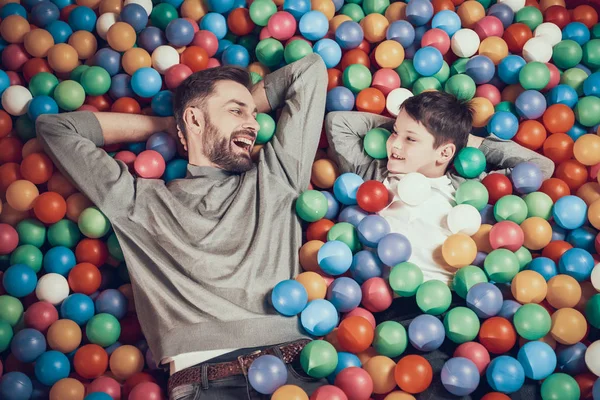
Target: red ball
497	335
135	380
318	230
531	134
195	58
105	384
34	66
377	295
372	196
506	235
176	74
149	164
37	168
559	147
355	382
328	392
103	103
586	381
126	105
14	56
413	374
355	334
498	186
488	26
128	157
9	239
93	251
385	79
437	38
50	207
555	188
207	40
495	396
85	278
475	352
554	76
557	15
146	391
558	118
90	361
361	312
15	79
516	35
40	316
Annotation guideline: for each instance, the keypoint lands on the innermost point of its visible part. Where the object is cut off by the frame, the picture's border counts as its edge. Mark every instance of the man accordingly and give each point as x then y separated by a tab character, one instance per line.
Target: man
204	252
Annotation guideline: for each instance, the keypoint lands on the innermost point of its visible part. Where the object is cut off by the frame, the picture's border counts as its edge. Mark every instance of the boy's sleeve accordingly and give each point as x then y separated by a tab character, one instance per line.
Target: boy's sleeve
345	132
301	88
72	141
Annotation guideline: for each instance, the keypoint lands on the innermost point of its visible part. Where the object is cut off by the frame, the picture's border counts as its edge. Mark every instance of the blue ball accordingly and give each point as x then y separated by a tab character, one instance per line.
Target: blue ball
394	249
576	31
503	124
346	186
365	265
44	13
338	4
146	82
349	35
19	280
419	12
4	79
537	359
59	260
135	15
333	206
569	212
530	104
313	25
112	301
319	317
577	263
51	367
583	238
576	131
334	257
544	266
108	59
563	94
82	18
345	294
591	85
289	297
372	229
508	310
505	374
223	45
402	32
509	68
163	143
220	6
15	386
448	21
460	376
503	12
236	55
98	396
485	299
526	177
41	105
420	31
596	389
426	332
150	38
267	374
481	69
176	169
428	61
27	345
162	103
297	7
345	360
487	215
584	69
60	31
77	307
571	359
120	86
179	32
216	23
479	259
340	98
13	9
62	3
353	215
330	52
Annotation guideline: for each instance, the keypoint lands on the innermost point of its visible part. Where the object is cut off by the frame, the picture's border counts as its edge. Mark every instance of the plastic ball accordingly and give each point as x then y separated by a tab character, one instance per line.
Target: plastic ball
577	263
319	358
459	250
267	373
460	376
413	374
15	385
560	386
568	326
505	374
319	317
345	294
426	333
394	249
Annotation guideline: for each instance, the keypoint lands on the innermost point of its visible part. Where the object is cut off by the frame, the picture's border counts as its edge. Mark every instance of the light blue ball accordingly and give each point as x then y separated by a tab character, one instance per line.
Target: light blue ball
19	280
460	376
402	32
146	82
576	131
319	317
485	299
78	307
537	359
446	20
345	294
577	32
365	265
334	257
51	367
340	98
505	374
346	186
236	55
220	6
289	297
394	249
428	61
267	374
577	263
330	52
544	266
313	25
563	94
569	212
372	229
216	23
426	332
345	360
503	124
591	85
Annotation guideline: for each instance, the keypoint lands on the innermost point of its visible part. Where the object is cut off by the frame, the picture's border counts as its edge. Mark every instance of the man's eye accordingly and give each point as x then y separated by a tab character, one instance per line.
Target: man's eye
236	111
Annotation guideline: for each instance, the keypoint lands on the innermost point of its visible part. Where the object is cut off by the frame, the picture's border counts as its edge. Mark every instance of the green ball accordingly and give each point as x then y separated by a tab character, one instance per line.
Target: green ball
114	248
249	43
296	50
95	81
31	231
6	335
462	86
470	162
459	66
501	265
269	51
261	11
103	329
162	14
486	3
311	205
11	309
64	233
574	77
29	255
405	279
532	321
267	128
530	16
375	141
592	311
524	256
539	204
461	324
587	111
345	232
231	37
93	223
506	106
78	71
43	84
426	83
255	77
407	73
354	11
591	54
510	208
473	193
390	339
25	128
357	77
567	54
69	95
560	386
596	31
434	297
534	75
467	277
318	358
443	74
375	6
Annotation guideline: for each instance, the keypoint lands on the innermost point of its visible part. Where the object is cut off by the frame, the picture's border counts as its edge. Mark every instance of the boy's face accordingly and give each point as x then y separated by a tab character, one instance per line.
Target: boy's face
410	148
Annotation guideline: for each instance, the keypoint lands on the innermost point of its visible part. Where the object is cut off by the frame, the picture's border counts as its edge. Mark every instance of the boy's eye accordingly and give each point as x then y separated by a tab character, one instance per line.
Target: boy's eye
410	139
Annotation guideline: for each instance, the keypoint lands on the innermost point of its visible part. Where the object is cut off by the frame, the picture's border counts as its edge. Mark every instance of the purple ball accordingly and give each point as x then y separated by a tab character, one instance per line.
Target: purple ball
163	143
372	229
526	177
426	332
365	265
150	38
485	299
394	249
267	374
112	301
345	294
460	376
530	104
509	308
353	215
179	32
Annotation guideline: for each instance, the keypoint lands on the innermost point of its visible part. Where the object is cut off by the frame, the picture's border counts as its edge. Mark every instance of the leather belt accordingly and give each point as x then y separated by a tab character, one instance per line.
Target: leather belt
193	375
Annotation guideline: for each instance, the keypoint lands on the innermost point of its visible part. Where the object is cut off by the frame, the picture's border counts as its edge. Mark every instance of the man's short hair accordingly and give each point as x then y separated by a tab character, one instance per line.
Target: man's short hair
201	85
446	117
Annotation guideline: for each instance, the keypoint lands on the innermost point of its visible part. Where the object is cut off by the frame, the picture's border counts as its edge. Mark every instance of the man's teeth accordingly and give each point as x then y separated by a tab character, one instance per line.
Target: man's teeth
244	140
396	157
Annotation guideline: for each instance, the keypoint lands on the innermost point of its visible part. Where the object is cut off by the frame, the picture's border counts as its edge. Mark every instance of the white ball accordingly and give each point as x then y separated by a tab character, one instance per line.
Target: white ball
147	4
464	218
596	277
15	100
515	5
52	288
395	99
465	42
414	188
592	357
549	32
537	49
164	57
104	22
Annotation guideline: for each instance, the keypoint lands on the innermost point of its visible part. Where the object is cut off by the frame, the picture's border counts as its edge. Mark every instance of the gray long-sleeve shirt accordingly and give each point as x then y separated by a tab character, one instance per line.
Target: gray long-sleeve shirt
204	252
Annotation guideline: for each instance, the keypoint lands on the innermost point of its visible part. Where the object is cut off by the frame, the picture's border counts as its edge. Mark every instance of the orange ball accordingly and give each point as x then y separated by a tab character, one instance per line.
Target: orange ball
585	14
134	59
531	134
558	118
537	232
374	27
589	192
493	47
14	28
555	188
194	9
308	255
76	203
84	43
365	356
37	168
355	334
482	238
396	11
413	373
398	395
90	361
126	361
38	42
126	105
61	185
315	285
497	335
325	6
67	389
558	147
289	392
195	57
381	369
516	35
529	287
370	100
318	230
573	173
568	326
594	214
389	54
9	173
50	207
84	278
511	92
355	56
587	149
32	146
336	21
21	195
111	6
93	4
239	22
563	291
64	335
63	58
470	12
483	109
459	250
324	173
121	36
334	78
495	396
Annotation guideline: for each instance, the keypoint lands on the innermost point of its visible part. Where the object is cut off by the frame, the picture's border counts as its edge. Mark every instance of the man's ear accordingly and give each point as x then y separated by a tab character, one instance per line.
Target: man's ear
193	119
182	138
446	152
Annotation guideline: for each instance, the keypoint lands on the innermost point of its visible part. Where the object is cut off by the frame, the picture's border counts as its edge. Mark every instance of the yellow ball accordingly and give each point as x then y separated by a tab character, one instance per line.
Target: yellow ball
325	6
459	250
529	287
587	149
563	291
537	232
494	47
381	369
483	109
289	392
375	27
568	326
389	54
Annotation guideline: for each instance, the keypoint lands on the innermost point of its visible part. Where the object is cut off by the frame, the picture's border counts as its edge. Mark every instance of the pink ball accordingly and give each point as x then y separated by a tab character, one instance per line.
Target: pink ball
506	235
194	24
212	63
14	56
594	171
328	392
290	40
128	157
146	391
177	74
264	33
107	385
282	25
554	76
207	40
436	38
87	107
15	79
356	383
328	279
9	239
489	26
475	352
377	295
386	80
149	164
361	312
490	92
40	316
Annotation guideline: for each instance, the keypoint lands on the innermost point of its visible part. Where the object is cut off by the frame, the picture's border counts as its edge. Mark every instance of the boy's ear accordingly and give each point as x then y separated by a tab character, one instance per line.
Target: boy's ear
446	152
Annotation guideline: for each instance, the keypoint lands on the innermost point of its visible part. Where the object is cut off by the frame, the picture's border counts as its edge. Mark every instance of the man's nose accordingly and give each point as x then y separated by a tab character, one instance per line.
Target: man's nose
253	124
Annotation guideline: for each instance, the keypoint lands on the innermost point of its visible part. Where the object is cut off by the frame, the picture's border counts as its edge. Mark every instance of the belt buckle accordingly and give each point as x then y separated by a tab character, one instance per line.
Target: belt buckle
245	357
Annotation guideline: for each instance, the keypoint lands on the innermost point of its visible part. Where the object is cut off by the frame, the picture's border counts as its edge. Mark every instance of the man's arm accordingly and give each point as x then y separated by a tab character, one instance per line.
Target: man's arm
72	141
345	132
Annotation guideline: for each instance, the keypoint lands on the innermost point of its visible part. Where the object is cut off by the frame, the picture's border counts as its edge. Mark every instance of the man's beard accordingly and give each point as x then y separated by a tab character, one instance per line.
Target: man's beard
219	150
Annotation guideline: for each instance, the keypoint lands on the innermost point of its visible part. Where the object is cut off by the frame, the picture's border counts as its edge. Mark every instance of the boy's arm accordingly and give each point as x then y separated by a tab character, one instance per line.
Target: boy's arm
345	132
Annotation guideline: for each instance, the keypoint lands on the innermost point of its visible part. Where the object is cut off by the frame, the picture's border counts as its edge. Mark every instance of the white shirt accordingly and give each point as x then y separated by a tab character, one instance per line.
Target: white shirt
425	225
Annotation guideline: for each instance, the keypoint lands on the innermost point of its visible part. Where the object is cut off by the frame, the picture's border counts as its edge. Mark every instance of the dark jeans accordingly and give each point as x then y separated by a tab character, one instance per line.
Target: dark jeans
237	387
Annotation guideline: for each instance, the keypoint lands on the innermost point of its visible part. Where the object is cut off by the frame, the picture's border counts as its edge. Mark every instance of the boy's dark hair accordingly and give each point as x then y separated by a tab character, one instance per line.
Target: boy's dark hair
201	85
447	118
